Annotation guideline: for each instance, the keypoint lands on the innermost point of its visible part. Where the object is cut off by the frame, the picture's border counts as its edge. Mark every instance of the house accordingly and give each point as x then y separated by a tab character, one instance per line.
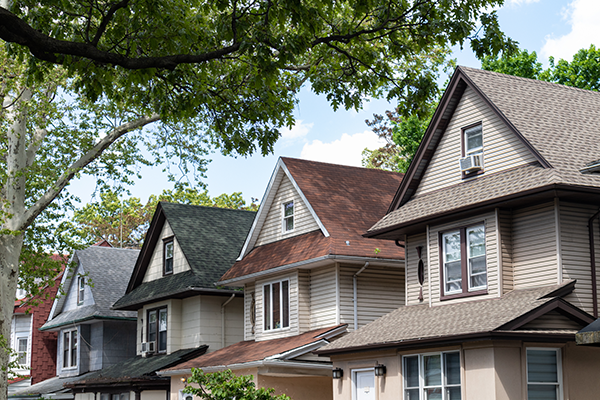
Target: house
499	214
35	351
86	327
181	313
308	276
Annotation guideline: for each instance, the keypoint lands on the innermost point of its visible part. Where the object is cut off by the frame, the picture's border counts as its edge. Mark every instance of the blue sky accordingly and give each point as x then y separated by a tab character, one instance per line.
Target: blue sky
549	27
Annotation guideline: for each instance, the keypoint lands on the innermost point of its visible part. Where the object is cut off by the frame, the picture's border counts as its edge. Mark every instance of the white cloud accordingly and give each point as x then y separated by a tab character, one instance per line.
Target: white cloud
299	130
346	150
583	17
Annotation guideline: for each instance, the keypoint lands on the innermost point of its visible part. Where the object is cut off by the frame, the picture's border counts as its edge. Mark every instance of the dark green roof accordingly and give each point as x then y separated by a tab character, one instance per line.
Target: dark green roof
210	239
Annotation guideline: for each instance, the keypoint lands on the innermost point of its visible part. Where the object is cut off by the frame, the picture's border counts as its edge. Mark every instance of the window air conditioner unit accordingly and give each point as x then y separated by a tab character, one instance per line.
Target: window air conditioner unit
471	163
148	347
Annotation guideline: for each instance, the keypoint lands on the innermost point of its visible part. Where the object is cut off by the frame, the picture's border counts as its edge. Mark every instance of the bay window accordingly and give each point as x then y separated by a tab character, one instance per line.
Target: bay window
276	301
434	376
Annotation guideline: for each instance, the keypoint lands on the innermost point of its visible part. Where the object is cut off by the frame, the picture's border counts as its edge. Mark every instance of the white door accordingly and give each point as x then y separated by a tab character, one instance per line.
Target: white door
364	385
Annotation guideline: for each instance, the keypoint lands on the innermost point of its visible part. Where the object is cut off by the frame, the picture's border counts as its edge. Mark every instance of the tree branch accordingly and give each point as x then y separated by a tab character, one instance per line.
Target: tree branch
106	20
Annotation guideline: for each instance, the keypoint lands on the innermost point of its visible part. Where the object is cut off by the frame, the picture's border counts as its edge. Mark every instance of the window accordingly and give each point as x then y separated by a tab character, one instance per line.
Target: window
463	261
288	216
432	376
544	374
157	328
80	290
70	348
473	140
168	257
22	350
276	300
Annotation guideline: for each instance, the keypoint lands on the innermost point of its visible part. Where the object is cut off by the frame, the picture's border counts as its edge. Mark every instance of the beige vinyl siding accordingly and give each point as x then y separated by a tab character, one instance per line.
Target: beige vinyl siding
323	312
412	261
293	329
534	246
303	220
155	267
501	148
491	255
575	251
249	303
552	320
304	310
380	291
505	217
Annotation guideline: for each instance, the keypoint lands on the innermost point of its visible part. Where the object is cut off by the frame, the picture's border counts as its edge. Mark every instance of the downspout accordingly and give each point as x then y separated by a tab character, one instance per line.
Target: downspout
223	319
354	283
593	263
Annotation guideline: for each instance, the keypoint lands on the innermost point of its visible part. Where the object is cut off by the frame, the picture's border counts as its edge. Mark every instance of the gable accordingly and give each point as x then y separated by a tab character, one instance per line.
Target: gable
552	320
71	296
155	265
502	149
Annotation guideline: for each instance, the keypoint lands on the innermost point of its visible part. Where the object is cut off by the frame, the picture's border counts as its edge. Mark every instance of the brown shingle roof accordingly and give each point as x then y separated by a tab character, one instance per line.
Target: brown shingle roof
347	200
421	322
250	350
561	123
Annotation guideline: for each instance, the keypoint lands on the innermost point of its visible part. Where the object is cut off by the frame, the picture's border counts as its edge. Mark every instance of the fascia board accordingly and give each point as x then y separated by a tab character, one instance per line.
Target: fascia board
298	351
251	364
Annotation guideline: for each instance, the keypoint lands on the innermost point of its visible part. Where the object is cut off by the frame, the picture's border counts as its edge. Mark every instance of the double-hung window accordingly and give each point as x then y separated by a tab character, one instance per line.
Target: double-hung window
463	261
432	376
157	328
80	290
70	348
276	300
22	350
288	217
473	140
544	375
168	256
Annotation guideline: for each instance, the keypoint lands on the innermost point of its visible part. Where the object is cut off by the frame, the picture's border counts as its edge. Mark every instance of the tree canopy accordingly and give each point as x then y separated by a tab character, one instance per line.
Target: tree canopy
225	385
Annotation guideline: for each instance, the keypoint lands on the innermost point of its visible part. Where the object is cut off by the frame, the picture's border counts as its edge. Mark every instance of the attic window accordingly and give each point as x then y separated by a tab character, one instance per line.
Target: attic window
471	161
591	168
288	216
168	256
80	290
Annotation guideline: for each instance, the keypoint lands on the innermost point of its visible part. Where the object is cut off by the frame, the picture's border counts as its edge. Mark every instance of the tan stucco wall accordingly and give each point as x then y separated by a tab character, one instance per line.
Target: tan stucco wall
299	388
152	395
581	372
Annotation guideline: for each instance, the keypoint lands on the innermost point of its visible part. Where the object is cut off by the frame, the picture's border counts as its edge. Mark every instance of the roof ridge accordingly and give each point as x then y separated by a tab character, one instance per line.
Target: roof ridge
342	165
205	207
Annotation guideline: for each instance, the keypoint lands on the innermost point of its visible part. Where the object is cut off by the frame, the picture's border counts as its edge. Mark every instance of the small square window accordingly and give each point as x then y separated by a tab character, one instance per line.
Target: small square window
168	257
288	216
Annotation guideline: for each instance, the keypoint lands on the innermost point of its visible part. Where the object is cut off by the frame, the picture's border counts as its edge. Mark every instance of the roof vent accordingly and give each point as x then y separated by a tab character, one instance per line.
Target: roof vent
591	168
471	163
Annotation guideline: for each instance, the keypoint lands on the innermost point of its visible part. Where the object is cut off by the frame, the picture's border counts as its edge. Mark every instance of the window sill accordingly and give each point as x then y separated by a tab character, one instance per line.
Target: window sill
276	330
461	295
473	174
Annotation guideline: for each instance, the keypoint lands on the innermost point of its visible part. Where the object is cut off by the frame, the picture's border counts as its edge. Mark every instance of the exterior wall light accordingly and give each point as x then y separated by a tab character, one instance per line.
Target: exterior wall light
380	370
337	373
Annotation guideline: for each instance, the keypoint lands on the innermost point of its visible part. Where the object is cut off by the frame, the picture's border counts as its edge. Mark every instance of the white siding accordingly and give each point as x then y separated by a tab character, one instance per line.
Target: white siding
323	312
534	246
379	291
293	329
501	148
575	251
249	311
155	267
491	249
505	217
304	301
303	220
412	261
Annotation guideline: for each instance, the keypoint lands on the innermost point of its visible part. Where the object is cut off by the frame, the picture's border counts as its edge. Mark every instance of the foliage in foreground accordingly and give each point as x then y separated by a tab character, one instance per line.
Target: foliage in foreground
225	385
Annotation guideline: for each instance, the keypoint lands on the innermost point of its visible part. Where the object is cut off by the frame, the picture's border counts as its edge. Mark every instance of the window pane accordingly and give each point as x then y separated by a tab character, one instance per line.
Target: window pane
152	326
452	366
288	209
289	223
433	394
411	371
453	277
66	347
22	351
476	241
267	306
542	366
452	247
285	292
411	394
162	330
542	392
473	139
453	393
433	370
276	306
73	348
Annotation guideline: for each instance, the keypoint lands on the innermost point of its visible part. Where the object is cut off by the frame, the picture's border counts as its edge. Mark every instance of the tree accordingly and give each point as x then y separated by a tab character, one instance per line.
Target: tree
225	385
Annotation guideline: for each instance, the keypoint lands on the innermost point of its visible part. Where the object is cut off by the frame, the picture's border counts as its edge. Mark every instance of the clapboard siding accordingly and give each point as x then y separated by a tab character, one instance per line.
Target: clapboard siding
155	267
293	329
304	222
575	251
380	291
534	246
304	300
412	263
491	255
501	148
505	222
552	320
249	314
323	312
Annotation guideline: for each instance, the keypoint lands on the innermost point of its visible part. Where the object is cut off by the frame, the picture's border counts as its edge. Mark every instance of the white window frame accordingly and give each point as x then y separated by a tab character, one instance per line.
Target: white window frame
469	275
80	290
285	218
18	338
353	379
70	349
281	308
475	150
559	384
422	386
444	235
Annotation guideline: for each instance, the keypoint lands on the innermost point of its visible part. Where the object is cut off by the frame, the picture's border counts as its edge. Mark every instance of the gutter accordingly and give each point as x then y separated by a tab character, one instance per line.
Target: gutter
251	364
223	319
593	263
355	293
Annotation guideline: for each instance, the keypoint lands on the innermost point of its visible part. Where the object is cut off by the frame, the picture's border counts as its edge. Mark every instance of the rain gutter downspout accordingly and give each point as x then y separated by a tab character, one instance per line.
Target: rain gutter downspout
355	298
223	319
593	263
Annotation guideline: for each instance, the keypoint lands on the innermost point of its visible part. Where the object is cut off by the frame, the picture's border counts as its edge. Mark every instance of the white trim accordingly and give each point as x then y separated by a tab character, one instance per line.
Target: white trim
559	263
428	267
283	216
281	305
558	369
298	351
333	332
182	396
353	380
499	254
337	293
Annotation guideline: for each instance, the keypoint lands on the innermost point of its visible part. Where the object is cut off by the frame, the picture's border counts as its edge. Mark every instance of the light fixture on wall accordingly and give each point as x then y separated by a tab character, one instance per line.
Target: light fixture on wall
380	370
337	373
184	380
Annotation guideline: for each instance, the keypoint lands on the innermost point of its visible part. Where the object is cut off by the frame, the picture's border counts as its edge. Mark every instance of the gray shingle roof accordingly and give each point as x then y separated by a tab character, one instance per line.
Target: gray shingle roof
561	123
210	238
419	322
108	270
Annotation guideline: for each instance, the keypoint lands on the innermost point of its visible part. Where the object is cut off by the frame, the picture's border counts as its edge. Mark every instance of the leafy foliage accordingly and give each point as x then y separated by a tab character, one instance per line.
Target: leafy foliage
225	385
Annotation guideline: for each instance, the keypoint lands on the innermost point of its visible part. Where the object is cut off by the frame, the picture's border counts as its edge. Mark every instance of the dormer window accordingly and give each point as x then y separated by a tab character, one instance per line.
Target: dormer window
80	290
168	257
288	216
471	161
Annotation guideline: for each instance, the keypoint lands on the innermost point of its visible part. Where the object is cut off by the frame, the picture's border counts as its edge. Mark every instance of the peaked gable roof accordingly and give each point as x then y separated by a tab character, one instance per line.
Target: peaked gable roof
345	200
210	239
558	124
